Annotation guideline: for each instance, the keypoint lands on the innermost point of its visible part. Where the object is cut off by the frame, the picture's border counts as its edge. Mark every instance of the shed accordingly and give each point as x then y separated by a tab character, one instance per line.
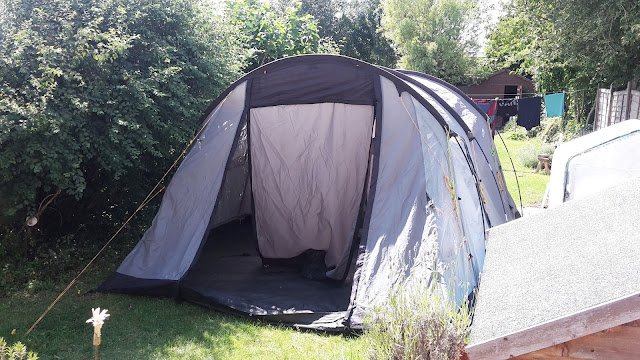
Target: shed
559	285
501	84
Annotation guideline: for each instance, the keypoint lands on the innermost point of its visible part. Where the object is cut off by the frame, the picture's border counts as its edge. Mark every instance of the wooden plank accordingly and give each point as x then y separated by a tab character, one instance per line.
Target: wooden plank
610	105
538	356
557	331
635	104
635	323
618	343
597	109
627	110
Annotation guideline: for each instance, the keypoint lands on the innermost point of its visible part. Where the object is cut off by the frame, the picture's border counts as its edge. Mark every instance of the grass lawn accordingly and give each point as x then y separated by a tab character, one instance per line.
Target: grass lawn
154	328
532	185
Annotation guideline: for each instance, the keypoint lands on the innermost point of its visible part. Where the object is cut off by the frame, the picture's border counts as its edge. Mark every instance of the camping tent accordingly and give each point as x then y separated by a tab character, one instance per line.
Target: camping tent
594	162
317	184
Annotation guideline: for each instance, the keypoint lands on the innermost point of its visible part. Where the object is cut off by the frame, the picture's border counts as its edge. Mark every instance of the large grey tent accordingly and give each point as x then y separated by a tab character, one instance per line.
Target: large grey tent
381	173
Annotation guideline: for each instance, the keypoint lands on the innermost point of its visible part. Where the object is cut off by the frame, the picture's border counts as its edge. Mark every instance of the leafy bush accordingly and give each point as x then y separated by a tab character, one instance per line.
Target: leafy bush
516	136
529	155
97	99
534	131
511	125
418	323
552	130
96	92
17	351
513	131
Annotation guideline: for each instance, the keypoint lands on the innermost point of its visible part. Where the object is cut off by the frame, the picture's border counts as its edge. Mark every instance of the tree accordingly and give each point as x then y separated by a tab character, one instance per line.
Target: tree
352	26
97	98
326	13
433	36
358	33
572	44
268	34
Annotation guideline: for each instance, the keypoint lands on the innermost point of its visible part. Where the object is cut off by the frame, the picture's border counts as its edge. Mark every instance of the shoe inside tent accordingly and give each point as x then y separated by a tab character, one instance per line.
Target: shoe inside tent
318	184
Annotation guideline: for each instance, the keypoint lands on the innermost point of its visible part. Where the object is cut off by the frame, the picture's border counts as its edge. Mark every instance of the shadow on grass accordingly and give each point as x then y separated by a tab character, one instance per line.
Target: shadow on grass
154	328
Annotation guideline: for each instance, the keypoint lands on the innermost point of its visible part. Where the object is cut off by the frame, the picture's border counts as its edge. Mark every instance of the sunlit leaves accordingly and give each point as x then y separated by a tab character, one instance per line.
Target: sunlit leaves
432	36
96	96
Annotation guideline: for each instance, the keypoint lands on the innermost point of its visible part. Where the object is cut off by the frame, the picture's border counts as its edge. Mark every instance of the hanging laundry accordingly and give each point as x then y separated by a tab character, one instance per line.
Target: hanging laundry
506	109
488	106
529	112
554	103
484	105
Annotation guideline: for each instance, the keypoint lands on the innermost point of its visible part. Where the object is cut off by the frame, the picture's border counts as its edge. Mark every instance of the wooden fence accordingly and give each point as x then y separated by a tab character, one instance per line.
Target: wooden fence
615	106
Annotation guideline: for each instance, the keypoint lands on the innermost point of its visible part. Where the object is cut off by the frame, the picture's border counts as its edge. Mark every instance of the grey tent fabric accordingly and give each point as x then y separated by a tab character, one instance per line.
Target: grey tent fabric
234	199
411	224
389	177
466	189
307	193
167	249
500	205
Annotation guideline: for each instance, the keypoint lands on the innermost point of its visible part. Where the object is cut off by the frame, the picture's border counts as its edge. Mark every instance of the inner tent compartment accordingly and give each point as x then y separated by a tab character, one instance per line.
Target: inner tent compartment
293	183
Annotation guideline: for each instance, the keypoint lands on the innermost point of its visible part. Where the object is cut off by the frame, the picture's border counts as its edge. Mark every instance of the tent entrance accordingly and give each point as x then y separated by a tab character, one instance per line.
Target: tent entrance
305	179
308	169
230	273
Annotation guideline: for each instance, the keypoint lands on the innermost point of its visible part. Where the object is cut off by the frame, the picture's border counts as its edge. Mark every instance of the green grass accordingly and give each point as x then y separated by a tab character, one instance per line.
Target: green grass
154	328
532	185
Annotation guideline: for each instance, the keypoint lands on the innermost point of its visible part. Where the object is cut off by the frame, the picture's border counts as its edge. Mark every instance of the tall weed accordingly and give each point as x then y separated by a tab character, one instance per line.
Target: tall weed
17	351
529	155
417	323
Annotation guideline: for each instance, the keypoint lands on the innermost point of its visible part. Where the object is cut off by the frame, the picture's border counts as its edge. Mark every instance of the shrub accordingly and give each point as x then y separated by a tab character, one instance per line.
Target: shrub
97	99
511	125
513	131
516	136
529	155
417	323
534	132
17	351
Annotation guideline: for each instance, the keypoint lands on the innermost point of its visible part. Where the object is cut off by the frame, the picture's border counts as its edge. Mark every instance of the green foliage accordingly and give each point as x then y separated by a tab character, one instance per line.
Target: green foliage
529	155
355	27
358	33
516	136
17	351
325	12
417	323
267	34
97	99
569	45
510	44
433	36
